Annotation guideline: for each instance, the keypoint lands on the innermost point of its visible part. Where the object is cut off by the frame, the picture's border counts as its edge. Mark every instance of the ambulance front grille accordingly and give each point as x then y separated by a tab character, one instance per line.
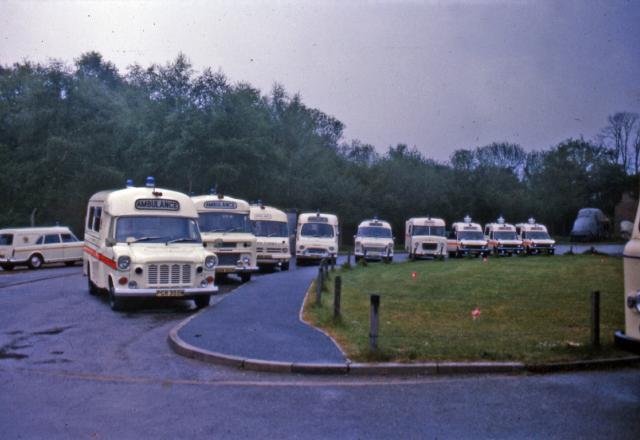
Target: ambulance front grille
169	274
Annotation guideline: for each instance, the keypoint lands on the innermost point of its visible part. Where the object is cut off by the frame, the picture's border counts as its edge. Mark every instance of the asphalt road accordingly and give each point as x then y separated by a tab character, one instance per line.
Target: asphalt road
72	368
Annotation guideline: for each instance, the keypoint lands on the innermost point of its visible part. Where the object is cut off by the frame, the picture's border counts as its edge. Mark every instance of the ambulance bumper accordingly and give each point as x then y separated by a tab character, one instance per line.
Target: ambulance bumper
188	292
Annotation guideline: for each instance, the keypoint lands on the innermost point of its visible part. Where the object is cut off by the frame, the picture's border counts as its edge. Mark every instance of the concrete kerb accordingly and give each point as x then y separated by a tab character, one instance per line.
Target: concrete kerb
382	368
385	368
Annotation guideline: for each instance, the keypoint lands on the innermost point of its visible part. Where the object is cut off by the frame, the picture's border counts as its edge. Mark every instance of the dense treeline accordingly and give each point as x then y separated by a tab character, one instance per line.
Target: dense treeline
67	132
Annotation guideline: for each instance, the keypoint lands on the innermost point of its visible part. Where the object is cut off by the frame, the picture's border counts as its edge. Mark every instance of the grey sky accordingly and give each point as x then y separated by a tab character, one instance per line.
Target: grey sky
437	75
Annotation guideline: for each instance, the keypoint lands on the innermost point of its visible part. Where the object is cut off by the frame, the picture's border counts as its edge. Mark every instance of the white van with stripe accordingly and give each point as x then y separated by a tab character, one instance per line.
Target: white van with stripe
145	242
34	247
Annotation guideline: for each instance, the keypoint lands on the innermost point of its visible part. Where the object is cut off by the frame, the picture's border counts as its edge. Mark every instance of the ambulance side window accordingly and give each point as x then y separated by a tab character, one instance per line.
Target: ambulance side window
68	238
40	239
90	218
51	239
98	220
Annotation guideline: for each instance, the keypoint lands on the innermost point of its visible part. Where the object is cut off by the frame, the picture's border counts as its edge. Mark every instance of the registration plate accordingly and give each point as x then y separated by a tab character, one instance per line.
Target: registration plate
170	292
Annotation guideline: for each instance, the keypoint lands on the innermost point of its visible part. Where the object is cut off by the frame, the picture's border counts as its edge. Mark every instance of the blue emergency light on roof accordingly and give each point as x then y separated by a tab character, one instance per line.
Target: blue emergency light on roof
212	191
501	220
129	183
467	219
151	182
532	221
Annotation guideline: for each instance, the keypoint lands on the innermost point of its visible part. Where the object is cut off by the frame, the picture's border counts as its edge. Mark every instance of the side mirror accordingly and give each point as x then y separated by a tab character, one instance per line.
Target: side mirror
110	242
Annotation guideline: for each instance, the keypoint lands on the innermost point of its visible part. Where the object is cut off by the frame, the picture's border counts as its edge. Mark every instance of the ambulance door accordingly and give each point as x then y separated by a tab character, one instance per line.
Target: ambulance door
71	247
51	249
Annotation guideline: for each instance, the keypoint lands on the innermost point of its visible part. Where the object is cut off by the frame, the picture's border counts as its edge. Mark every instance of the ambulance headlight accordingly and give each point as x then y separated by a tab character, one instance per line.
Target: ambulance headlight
204	283
331	248
211	261
124	262
133	285
246	259
633	301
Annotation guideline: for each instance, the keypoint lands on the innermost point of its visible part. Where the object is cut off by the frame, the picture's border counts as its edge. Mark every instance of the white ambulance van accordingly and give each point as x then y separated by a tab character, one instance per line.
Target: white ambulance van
373	241
226	230
535	238
145	242
316	237
466	238
630	338
425	237
271	228
34	247
502	238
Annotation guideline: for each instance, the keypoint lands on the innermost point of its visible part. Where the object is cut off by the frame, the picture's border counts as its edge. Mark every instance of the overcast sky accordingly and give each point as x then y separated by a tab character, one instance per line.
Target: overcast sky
438	75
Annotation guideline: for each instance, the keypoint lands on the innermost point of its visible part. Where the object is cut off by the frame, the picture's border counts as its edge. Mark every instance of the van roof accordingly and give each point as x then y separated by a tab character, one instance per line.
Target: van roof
375	223
503	226
426	221
130	201
311	217
263	212
531	226
220	203
458	225
36	230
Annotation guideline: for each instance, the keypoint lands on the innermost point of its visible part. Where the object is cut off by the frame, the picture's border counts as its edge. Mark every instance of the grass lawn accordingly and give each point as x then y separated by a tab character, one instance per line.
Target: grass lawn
532	309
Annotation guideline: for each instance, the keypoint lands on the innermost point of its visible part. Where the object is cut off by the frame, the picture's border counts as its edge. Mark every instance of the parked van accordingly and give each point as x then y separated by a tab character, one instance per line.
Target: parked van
535	238
466	238
226	230
34	247
425	236
145	242
271	228
590	224
502	238
630	338
373	241
316	237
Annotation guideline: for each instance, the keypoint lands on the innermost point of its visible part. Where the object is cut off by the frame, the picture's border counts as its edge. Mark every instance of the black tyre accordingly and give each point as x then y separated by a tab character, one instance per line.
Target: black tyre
35	261
202	301
7	266
285	266
245	277
69	263
93	289
116	304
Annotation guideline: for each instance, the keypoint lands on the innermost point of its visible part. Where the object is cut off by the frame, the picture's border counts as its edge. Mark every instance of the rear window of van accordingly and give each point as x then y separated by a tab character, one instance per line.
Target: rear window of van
6	239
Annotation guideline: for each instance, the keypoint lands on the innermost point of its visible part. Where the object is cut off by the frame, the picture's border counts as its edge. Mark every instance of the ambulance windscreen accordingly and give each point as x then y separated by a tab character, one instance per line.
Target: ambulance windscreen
317	230
160	229
428	230
268	228
374	232
224	222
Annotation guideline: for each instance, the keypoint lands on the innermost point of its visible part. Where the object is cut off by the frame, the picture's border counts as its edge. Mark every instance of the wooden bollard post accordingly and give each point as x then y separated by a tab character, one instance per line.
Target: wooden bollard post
337	292
373	326
595	319
319	282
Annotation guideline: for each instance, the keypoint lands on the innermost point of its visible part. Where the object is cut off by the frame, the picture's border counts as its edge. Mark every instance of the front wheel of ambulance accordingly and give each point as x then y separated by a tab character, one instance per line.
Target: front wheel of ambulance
115	303
35	261
202	301
7	266
245	277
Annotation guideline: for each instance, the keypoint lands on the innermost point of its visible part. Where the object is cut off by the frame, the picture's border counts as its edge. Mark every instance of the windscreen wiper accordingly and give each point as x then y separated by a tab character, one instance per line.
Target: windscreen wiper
144	239
182	239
